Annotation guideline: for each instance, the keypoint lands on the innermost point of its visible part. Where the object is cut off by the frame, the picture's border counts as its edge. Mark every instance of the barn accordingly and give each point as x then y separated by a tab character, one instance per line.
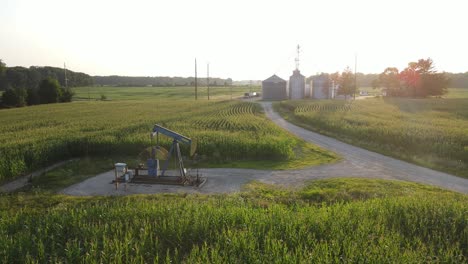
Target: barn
274	88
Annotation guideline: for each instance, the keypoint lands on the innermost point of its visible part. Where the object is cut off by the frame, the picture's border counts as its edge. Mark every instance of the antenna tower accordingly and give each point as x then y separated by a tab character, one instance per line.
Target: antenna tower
297	58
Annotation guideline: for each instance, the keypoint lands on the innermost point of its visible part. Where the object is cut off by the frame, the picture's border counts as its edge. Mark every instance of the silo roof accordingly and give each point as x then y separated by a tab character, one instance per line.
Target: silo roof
297	73
274	79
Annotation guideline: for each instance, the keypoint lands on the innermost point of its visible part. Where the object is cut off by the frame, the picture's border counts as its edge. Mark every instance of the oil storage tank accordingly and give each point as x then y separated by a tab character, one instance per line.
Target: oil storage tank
297	85
274	88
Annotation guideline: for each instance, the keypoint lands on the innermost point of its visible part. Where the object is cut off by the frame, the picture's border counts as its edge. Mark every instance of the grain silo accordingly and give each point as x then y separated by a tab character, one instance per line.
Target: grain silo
297	85
274	88
321	87
307	91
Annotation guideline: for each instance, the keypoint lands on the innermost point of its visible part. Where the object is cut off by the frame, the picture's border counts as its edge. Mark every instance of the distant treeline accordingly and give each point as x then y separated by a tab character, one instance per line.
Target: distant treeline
29	78
457	80
128	81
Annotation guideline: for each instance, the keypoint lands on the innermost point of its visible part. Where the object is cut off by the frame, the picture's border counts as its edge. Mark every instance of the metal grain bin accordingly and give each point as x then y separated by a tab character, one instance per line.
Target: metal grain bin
274	88
321	87
297	85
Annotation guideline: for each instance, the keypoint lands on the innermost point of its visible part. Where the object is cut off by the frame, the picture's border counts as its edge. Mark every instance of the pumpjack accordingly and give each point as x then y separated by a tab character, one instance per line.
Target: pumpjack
160	153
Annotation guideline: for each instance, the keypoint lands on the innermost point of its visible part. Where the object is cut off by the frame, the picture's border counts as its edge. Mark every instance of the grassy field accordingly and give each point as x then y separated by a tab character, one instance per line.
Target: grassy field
229	133
149	93
429	132
452	92
329	221
457	93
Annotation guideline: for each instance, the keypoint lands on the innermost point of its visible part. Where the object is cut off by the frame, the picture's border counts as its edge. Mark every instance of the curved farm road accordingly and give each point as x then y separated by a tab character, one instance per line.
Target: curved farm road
357	162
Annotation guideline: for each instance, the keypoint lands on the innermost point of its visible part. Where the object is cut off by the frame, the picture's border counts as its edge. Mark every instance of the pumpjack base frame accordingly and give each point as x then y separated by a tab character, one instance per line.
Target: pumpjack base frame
140	178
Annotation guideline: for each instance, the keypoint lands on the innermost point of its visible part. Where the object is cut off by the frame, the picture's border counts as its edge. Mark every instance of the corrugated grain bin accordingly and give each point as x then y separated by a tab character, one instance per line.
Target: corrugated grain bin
321	87
274	88
297	85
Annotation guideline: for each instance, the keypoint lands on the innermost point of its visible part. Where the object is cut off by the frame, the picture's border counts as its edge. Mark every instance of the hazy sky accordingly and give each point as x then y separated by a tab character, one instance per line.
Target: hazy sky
240	39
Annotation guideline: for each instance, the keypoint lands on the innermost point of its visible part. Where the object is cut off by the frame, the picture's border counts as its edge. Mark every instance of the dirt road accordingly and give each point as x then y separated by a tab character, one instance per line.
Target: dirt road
356	162
361	162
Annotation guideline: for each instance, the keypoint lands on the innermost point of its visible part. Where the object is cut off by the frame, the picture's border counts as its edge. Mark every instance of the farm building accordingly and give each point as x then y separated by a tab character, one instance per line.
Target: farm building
322	87
297	85
274	88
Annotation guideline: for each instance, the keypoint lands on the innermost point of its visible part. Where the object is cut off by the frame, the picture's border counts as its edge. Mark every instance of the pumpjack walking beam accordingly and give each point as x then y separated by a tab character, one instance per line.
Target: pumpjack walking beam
175	148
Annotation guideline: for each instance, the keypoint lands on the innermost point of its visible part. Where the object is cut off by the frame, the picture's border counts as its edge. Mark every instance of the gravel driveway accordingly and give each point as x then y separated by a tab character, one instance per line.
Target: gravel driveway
356	162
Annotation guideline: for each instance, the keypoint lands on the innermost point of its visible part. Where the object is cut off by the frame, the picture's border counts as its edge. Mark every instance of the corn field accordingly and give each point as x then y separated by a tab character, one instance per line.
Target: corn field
421	226
430	132
33	137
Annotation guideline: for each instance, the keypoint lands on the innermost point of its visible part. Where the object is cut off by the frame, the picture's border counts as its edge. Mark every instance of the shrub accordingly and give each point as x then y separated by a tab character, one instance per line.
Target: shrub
49	91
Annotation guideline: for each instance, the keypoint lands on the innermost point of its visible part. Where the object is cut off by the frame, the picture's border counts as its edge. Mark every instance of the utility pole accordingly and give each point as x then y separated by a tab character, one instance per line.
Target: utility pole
208	79
355	76
196	88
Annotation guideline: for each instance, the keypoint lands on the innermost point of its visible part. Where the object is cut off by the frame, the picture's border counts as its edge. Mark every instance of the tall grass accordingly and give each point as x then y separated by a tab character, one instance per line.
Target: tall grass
429	226
430	132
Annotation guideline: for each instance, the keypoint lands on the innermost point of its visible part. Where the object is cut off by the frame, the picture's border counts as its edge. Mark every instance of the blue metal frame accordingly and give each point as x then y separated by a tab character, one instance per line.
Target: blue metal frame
176	136
174	147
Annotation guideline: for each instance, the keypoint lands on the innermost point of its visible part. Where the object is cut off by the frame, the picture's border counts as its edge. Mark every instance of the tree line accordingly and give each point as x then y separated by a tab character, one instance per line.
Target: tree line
129	81
38	85
457	80
418	79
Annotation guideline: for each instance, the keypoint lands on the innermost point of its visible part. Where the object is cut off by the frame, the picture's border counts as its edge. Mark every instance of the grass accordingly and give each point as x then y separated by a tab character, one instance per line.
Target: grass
148	93
351	220
73	172
452	92
428	132
228	132
457	93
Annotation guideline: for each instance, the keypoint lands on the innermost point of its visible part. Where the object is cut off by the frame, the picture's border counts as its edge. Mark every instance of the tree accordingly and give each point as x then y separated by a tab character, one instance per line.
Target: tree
346	83
14	97
421	80
3	81
435	84
17	77
9	98
49	91
67	95
33	97
390	81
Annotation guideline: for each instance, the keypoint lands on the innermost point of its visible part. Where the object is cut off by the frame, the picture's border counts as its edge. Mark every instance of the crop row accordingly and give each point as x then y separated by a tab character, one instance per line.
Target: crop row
33	137
323	107
432	132
235	230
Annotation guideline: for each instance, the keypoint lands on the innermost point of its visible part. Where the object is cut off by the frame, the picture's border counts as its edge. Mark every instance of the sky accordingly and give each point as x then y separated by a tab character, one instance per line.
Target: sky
240	39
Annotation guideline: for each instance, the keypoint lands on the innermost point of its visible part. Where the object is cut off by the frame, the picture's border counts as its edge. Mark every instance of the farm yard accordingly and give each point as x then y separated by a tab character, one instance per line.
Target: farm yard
229	133
429	132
